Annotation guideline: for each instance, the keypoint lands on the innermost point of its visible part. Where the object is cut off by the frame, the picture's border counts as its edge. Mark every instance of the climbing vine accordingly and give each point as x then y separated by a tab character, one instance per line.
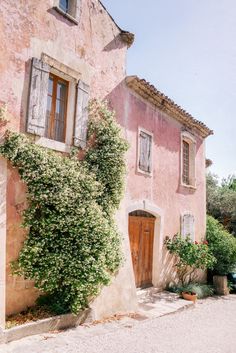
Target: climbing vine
73	246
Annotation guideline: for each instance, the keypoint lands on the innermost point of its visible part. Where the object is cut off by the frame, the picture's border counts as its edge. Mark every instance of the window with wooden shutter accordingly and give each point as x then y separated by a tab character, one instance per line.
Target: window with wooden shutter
81	115
188	226
186	161
145	149
188	151
37	106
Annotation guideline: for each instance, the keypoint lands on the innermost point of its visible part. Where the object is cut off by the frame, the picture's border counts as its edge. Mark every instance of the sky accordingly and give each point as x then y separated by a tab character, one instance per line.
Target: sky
187	49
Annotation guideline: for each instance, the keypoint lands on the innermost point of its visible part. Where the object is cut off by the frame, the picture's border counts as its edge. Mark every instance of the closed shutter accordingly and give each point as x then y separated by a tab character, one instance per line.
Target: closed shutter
38	97
187	226
81	116
145	141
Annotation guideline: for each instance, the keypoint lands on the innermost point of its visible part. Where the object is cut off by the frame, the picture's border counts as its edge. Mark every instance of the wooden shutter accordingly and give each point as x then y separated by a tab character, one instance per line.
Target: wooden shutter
81	116
38	97
145	141
187	226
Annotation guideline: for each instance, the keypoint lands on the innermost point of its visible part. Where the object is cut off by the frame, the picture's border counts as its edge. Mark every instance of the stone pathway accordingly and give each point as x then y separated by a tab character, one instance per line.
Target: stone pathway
153	303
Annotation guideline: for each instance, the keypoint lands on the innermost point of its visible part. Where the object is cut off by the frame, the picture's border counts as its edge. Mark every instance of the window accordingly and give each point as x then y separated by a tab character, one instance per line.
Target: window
188	226
64	5
56	108
188	155
185	163
58	105
145	152
69	9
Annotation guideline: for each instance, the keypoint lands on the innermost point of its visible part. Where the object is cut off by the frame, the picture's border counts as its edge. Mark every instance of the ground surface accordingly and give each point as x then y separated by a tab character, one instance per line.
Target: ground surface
209	327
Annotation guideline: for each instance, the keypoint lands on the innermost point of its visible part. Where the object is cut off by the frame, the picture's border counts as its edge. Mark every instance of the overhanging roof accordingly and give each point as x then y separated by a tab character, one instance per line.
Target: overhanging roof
126	36
165	104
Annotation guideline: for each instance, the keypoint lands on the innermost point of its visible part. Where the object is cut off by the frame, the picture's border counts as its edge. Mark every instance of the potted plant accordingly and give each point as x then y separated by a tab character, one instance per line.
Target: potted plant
188	295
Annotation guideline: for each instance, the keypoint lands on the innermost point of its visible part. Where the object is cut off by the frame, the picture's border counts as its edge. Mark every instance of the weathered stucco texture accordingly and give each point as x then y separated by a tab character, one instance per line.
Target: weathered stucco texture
93	49
161	193
96	52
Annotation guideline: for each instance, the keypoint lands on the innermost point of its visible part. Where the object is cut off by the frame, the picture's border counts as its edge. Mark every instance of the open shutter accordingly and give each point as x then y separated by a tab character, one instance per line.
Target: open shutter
38	97
187	226
145	152
81	116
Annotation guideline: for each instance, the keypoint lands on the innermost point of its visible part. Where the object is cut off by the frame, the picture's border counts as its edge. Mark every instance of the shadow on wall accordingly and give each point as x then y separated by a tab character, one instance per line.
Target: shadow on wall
116	43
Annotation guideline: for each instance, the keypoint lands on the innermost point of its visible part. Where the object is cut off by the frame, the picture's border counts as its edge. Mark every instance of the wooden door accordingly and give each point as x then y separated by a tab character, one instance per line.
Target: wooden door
141	236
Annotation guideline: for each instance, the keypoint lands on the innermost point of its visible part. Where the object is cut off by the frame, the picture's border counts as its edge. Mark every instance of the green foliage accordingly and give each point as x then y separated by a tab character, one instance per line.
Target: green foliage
73	246
221	201
222	245
190	256
105	160
202	290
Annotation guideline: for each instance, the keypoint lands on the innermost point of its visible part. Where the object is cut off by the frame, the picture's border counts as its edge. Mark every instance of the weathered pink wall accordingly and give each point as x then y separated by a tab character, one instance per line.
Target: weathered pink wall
162	188
93	48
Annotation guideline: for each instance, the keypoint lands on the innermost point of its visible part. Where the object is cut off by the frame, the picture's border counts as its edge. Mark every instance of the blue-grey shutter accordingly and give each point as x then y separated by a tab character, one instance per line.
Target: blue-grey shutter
81	115
187	226
145	141
37	107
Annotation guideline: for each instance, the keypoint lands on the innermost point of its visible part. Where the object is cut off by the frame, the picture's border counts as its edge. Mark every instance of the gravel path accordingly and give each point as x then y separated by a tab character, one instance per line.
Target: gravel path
209	327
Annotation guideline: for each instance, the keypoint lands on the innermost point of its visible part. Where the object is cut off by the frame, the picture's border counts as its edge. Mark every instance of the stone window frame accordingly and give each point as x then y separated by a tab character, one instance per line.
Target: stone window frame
190	139
73	12
139	170
72	78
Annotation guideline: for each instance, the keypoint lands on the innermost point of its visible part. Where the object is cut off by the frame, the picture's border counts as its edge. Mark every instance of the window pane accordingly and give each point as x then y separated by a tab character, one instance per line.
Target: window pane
61	91
50	86
64	5
59	121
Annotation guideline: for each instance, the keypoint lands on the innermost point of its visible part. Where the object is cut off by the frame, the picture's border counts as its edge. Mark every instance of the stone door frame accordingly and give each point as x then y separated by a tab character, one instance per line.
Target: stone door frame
146	205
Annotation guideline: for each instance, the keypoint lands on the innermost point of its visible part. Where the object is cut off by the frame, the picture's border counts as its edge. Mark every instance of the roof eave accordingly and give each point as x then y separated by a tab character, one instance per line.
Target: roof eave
126	37
165	104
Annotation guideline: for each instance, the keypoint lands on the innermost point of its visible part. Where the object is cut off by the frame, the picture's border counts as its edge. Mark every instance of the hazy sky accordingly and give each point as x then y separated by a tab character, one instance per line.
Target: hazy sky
187	49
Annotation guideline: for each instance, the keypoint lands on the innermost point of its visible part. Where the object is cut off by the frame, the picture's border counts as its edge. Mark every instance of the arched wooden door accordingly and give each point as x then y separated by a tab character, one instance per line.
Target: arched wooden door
141	236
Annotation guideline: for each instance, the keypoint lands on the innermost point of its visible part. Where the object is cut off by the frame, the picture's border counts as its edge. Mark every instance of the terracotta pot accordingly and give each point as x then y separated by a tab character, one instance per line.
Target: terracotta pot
188	296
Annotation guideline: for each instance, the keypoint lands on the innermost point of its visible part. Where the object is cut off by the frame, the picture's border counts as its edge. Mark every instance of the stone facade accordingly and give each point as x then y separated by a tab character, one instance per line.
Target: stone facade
89	46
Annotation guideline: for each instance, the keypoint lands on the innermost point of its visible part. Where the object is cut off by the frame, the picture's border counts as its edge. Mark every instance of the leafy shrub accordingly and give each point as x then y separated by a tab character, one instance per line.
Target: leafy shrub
190	256
73	246
202	290
222	245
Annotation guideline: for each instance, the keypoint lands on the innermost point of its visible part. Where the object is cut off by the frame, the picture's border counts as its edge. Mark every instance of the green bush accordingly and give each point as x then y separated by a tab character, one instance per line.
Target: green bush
73	246
189	256
222	245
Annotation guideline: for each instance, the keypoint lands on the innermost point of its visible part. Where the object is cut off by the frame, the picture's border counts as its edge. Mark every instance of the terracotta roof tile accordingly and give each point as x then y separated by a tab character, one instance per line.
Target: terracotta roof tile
164	103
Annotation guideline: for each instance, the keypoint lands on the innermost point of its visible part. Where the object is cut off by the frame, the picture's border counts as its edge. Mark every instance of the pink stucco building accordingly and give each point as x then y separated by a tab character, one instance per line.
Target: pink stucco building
76	47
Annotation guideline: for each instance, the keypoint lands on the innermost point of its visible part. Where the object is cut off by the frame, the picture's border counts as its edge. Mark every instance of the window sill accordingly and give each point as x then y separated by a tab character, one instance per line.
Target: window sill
53	145
193	187
140	171
66	15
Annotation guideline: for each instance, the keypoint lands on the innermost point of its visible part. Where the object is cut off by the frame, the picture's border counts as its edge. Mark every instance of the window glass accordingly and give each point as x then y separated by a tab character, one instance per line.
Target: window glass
64	5
56	108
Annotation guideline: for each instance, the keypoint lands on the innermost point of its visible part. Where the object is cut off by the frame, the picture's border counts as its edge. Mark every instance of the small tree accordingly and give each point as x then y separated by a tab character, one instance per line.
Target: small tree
222	245
190	257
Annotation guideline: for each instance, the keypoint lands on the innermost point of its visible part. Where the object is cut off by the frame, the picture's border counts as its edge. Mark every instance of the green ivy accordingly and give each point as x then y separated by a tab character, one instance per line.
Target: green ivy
73	247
